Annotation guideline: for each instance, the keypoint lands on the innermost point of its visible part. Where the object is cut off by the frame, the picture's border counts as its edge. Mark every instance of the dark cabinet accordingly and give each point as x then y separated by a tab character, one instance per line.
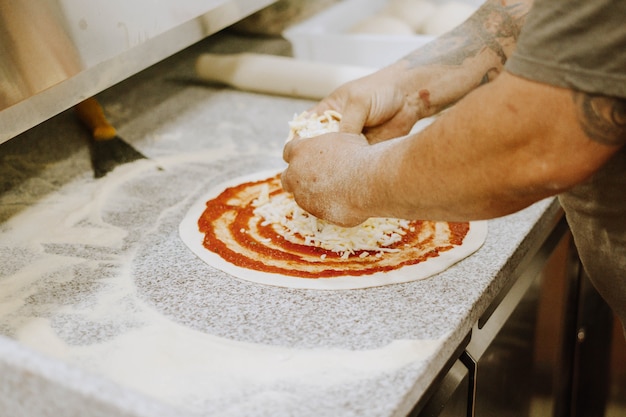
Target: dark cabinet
545	348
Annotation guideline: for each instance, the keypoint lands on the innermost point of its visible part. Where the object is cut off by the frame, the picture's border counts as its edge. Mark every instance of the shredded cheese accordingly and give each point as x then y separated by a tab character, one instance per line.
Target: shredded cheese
308	125
298	226
376	235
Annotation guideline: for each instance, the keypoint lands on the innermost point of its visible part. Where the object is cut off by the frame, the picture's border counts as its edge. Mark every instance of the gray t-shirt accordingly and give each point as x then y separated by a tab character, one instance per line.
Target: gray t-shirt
581	44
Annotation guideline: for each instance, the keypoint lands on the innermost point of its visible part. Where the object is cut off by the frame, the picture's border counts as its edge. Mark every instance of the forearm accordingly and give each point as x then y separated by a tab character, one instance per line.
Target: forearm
478	162
446	69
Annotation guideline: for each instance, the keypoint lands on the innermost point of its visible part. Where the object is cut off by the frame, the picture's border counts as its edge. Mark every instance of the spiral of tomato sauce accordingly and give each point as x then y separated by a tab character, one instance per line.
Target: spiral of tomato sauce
296	259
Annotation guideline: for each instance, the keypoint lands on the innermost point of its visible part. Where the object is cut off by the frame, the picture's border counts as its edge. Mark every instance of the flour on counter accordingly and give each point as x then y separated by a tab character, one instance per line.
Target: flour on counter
76	300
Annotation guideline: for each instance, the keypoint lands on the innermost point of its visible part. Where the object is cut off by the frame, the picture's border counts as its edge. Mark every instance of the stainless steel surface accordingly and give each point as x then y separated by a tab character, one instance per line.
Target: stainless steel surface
451	398
503	378
500	359
545	350
56	53
486	331
502	350
448	394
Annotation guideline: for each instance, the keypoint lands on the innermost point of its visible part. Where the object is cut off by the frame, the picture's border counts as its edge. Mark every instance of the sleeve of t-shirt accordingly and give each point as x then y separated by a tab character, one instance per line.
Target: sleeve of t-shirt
577	44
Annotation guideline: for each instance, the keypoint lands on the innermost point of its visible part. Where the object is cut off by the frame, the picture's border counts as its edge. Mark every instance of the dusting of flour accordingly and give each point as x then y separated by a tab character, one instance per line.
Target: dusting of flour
133	344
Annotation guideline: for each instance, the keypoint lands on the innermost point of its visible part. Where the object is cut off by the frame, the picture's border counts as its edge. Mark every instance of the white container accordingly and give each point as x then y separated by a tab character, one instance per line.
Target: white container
325	38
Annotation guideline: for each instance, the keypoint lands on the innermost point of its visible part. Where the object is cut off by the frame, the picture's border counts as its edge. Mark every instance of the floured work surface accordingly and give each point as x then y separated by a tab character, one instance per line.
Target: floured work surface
95	277
99	279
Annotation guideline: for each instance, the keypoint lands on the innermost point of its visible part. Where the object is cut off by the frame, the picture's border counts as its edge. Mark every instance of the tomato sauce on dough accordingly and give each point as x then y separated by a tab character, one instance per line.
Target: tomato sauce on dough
236	234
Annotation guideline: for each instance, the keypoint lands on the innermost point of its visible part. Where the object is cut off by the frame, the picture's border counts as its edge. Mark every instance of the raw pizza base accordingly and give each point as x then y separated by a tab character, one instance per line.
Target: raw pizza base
193	239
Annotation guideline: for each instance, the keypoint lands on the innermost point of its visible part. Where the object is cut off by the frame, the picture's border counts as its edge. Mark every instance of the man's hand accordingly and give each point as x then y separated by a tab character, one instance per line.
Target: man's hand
376	105
451	172
325	176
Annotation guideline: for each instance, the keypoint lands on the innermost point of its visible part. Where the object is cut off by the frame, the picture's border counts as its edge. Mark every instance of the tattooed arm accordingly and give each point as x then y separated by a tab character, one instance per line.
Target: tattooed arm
499	149
388	103
602	118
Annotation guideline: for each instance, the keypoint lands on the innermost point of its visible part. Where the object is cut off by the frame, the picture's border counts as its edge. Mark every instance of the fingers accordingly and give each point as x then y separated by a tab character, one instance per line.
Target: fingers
352	122
354	111
381	134
289	147
288	153
285	182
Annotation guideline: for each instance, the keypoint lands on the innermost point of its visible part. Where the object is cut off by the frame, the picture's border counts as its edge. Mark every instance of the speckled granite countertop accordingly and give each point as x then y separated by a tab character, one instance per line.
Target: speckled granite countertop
105	312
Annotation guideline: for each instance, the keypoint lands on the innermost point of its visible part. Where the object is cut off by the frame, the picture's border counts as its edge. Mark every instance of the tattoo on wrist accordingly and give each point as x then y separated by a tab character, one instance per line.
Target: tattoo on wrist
492	24
602	118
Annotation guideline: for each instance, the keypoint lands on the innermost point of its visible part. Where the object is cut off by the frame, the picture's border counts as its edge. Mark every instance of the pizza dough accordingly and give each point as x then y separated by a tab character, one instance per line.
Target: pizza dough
414	12
447	17
412	17
193	237
382	25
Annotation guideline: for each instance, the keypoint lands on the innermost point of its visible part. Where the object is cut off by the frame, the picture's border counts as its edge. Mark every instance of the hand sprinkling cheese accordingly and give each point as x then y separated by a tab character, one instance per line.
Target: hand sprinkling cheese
308	125
295	224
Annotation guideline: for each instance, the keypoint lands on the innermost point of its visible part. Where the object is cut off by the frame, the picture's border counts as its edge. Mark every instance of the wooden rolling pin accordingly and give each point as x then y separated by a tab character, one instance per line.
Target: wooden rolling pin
273	74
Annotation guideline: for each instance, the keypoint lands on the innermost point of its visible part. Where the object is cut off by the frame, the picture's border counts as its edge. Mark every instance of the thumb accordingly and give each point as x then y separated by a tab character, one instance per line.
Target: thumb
352	122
